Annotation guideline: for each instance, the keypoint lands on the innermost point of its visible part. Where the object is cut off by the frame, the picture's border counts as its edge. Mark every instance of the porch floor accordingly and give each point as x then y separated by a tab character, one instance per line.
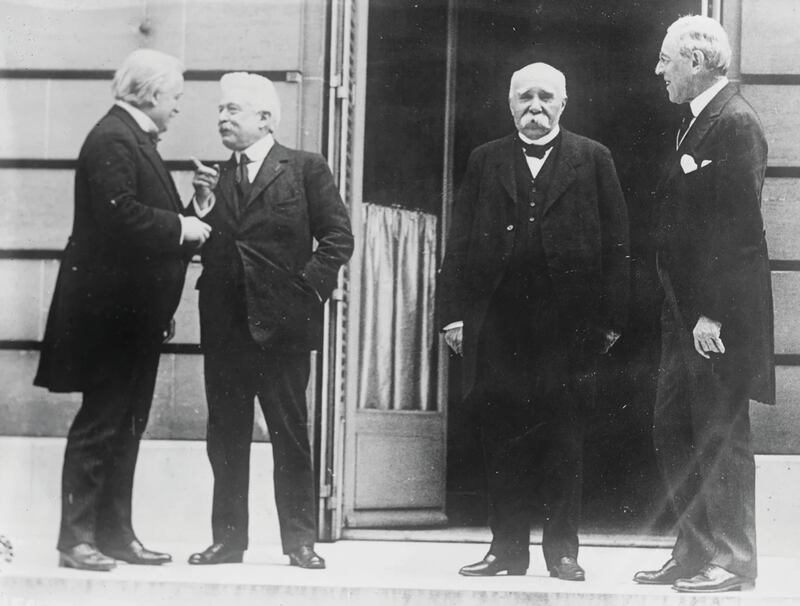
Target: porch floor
368	573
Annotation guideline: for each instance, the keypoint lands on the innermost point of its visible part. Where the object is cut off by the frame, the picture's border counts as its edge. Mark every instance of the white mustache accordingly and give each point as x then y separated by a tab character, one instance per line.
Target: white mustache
540	119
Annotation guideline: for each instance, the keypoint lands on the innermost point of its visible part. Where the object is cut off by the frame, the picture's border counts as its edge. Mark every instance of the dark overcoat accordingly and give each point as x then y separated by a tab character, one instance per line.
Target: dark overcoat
711	238
584	235
122	272
263	254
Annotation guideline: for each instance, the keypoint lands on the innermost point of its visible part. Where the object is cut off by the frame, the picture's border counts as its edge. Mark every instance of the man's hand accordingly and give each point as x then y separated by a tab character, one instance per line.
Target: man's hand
706	337
455	339
195	230
204	181
169	331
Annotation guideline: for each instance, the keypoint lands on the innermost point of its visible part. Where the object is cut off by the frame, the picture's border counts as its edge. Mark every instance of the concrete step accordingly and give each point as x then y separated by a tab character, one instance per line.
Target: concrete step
172	498
368	573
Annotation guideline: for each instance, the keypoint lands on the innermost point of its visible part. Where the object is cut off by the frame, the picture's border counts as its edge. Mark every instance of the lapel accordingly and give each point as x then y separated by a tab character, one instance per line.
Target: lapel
151	153
505	166
272	166
564	172
697	133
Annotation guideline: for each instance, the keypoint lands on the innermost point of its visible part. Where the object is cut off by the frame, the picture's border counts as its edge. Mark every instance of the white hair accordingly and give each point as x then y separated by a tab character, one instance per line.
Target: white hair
704	34
144	73
259	92
539	69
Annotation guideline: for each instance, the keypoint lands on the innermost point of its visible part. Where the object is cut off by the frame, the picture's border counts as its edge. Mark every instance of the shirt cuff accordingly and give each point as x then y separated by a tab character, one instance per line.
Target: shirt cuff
202	212
452	325
182	218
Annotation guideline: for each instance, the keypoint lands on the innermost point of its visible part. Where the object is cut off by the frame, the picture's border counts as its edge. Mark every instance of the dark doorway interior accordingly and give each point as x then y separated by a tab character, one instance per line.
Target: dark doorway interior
608	50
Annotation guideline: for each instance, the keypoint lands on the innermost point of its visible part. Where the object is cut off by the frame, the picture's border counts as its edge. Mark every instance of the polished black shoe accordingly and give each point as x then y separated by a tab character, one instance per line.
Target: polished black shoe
492	565
568	569
713	579
306	557
85	557
136	553
217	553
670	572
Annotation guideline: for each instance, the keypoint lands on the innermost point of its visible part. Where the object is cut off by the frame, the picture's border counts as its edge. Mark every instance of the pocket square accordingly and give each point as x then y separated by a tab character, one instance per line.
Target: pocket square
704	163
688	165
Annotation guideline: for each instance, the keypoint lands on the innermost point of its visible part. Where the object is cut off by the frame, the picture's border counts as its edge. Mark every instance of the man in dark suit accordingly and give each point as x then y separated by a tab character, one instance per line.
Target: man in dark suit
716	322
534	285
261	301
118	286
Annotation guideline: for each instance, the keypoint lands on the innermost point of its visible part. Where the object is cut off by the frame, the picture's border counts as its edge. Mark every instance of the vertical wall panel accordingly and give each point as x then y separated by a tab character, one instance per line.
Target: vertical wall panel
769	37
780	205
85	34
23	118
782	127
245	34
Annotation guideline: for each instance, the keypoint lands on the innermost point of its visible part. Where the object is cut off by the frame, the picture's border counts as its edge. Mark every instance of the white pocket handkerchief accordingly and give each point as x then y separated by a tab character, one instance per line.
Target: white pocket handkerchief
704	163
688	165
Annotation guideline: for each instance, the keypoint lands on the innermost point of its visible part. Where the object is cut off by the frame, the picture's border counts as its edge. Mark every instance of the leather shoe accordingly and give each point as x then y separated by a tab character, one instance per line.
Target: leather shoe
713	579
85	557
568	569
217	553
306	557
670	572
492	565
136	553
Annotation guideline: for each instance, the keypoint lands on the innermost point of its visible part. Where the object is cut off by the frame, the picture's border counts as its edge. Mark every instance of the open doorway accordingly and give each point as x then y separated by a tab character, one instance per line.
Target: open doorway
608	50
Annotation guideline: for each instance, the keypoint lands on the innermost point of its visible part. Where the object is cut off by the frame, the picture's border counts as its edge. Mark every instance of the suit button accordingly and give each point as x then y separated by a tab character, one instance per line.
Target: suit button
533	204
509	227
531	219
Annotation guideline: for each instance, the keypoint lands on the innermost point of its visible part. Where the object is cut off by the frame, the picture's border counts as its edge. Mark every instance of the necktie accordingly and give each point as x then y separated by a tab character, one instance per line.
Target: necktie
242	180
686	119
534	150
153	136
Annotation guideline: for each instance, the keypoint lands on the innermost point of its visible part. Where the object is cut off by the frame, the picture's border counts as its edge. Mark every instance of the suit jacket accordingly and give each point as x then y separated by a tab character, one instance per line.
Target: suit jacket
122	272
584	235
710	236
260	259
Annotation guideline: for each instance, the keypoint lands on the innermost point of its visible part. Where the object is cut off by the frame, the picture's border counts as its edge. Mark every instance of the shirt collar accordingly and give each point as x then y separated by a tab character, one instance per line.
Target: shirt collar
542	140
700	102
258	150
142	119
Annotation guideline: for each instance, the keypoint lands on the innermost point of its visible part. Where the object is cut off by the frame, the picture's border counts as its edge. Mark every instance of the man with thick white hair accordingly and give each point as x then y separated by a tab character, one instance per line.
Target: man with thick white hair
261	300
716	323
533	288
119	283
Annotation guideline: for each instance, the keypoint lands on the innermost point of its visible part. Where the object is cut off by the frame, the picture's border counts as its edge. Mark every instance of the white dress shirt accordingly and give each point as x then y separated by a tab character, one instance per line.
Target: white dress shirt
535	164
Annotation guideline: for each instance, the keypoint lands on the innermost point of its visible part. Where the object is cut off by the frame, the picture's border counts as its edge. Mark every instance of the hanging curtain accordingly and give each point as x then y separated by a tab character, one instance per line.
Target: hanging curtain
397	298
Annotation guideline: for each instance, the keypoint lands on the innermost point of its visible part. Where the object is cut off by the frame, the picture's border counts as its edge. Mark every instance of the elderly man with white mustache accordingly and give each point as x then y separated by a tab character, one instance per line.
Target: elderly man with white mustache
533	287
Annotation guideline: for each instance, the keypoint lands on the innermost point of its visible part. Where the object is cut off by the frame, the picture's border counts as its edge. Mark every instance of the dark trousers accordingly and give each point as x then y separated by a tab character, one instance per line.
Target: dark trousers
701	431
528	410
234	377
102	447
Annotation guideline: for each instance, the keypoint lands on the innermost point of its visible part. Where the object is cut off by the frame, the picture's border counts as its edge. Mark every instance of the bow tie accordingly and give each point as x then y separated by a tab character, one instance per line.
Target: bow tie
534	150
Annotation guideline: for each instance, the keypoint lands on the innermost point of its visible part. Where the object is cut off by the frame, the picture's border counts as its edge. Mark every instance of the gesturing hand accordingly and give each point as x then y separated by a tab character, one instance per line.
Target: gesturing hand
204	181
706	337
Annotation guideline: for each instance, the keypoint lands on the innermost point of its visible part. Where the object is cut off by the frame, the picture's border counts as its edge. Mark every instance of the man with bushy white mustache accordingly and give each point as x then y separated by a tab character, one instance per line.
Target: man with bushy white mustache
533	288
